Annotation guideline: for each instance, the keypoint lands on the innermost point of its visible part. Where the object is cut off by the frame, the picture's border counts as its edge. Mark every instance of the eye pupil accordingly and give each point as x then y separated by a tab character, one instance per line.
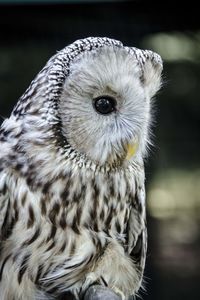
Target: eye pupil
104	104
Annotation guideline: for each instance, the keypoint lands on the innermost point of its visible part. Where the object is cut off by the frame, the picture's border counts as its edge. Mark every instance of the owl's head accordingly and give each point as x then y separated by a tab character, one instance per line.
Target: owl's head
106	100
94	98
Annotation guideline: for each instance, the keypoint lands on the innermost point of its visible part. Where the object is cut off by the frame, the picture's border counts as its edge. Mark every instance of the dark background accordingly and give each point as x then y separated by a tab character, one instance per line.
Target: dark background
32	31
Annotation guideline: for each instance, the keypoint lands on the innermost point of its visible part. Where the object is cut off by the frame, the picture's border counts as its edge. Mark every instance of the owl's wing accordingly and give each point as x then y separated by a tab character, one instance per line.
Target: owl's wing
136	231
5	214
137	239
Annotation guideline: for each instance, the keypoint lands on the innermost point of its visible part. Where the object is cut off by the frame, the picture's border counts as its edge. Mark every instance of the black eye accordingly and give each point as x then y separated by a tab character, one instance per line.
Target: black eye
104	104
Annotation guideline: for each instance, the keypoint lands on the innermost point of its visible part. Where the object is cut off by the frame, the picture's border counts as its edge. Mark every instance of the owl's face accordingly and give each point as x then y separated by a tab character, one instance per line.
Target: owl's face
105	104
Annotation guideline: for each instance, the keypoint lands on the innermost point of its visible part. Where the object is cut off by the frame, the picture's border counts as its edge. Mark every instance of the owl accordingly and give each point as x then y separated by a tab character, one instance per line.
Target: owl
72	194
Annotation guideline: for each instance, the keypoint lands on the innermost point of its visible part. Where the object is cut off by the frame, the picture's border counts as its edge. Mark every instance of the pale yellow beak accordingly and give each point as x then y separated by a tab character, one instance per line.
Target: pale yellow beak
131	149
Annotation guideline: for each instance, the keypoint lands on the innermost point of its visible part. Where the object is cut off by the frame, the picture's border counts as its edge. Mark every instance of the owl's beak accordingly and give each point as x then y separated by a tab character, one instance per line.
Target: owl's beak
132	148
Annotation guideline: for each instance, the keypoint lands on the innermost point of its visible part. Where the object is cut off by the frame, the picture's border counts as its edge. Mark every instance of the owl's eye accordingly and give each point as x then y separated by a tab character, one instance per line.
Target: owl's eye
104	104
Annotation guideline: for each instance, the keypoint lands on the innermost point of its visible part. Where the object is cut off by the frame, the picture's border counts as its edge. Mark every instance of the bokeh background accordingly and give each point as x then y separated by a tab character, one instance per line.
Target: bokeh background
32	31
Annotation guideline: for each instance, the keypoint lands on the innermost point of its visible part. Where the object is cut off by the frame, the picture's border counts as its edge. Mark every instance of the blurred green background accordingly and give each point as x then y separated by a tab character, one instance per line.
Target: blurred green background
32	31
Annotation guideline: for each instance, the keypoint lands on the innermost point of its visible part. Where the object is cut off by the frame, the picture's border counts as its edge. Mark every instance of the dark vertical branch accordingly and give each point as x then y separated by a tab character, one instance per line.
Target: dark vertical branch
97	292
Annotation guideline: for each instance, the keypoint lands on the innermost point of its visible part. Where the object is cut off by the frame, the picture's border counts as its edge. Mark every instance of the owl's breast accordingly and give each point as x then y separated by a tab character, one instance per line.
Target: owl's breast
95	201
100	202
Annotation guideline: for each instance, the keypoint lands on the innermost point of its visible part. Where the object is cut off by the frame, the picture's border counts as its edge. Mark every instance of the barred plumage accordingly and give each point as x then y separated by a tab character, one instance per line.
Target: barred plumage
72	195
